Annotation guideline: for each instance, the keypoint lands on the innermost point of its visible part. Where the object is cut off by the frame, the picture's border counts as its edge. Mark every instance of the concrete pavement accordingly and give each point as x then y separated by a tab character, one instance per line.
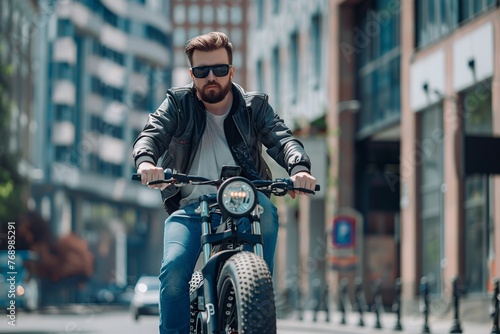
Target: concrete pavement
410	324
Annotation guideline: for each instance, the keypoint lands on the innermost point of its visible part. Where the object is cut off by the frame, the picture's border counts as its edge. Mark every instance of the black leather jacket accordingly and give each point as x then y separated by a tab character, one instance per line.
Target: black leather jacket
173	132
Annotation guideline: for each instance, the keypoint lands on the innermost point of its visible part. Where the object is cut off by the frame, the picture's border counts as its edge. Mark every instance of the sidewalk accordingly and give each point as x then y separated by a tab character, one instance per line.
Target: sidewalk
410	324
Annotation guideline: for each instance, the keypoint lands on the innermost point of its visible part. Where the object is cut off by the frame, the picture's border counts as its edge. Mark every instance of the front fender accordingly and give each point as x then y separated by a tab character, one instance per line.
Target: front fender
211	273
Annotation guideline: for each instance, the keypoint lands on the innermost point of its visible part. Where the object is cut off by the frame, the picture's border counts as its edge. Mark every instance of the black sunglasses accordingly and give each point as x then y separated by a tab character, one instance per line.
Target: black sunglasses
220	70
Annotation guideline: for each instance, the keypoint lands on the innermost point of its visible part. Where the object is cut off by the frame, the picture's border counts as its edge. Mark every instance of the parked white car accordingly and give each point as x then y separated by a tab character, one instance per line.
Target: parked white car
146	297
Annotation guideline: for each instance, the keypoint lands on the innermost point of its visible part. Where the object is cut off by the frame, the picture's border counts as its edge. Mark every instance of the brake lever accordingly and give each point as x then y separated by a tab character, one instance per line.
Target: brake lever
155	182
279	188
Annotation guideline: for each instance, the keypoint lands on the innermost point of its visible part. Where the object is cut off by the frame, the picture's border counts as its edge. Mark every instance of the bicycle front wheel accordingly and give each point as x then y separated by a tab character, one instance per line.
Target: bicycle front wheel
246	297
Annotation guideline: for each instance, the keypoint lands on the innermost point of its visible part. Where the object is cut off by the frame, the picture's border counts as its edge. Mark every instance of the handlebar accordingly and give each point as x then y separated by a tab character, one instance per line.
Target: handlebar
171	176
277	186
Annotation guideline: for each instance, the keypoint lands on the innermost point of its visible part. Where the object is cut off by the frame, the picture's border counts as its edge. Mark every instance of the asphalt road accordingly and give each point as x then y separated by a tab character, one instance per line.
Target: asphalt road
96	320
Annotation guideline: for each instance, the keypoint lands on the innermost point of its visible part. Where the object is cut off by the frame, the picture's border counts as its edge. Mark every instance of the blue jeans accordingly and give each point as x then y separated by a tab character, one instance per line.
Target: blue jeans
181	250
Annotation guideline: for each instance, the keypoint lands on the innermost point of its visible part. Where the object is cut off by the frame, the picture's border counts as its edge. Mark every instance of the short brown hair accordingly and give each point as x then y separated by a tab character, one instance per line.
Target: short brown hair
209	42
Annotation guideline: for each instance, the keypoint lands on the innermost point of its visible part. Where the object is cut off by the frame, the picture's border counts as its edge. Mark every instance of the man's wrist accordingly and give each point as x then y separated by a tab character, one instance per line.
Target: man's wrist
142	159
298	169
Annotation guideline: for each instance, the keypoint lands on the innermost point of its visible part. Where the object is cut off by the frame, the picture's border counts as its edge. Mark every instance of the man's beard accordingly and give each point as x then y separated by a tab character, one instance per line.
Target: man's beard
213	96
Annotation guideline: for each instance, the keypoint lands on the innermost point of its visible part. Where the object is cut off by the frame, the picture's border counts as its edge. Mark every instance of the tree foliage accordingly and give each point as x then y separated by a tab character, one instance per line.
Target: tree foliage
11	182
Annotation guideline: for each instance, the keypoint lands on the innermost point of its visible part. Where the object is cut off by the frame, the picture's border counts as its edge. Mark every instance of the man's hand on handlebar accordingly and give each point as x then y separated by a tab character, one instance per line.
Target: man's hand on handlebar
302	180
149	172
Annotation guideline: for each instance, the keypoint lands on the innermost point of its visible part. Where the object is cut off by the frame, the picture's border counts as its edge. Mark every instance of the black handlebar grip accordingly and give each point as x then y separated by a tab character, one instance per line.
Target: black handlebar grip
168	175
290	184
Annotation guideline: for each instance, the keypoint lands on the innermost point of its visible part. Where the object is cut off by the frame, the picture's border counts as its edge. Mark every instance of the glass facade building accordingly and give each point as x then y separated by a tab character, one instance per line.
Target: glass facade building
105	65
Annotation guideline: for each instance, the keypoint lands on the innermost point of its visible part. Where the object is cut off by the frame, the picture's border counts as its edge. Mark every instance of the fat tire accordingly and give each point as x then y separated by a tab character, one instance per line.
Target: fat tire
252	295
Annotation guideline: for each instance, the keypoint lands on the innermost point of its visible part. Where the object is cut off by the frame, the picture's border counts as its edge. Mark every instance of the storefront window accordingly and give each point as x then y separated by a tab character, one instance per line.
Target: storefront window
429	155
477	113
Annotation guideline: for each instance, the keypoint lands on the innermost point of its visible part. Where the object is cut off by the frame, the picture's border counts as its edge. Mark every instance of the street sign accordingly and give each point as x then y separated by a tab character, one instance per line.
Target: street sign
345	246
344	232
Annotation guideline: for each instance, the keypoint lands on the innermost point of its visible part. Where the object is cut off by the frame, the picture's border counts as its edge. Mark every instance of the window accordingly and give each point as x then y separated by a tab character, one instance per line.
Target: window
436	19
66	154
276	6
260	76
316	49
236	15
194	14
180	14
472	8
140	66
429	156
63	112
109	17
179	36
276	74
64	71
97	165
108	92
236	37
193	32
237	59
161	6
64	28
222	14
156	35
98	125
260	13
478	220
294	65
102	51
378	65
208	14
62	154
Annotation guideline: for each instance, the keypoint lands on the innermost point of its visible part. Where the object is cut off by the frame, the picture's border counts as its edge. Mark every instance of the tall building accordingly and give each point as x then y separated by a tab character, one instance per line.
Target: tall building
288	63
424	74
191	18
409	94
103	66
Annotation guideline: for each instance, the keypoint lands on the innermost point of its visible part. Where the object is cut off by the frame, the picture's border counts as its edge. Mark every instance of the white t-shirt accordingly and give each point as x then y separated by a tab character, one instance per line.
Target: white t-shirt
213	152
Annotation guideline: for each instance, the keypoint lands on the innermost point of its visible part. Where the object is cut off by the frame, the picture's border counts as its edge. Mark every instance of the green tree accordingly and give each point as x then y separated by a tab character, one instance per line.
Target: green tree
11	182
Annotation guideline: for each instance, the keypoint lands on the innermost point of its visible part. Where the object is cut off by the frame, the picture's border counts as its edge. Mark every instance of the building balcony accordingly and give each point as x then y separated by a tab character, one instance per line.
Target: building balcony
114	38
137	120
106	187
149	50
64	92
144	14
107	71
94	103
63	133
112	149
82	17
65	50
138	83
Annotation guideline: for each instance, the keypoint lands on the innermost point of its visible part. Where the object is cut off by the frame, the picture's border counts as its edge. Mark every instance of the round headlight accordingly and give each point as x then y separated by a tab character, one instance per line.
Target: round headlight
237	197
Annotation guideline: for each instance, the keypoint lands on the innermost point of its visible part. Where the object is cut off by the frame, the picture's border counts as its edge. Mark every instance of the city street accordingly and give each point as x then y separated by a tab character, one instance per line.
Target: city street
95	319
